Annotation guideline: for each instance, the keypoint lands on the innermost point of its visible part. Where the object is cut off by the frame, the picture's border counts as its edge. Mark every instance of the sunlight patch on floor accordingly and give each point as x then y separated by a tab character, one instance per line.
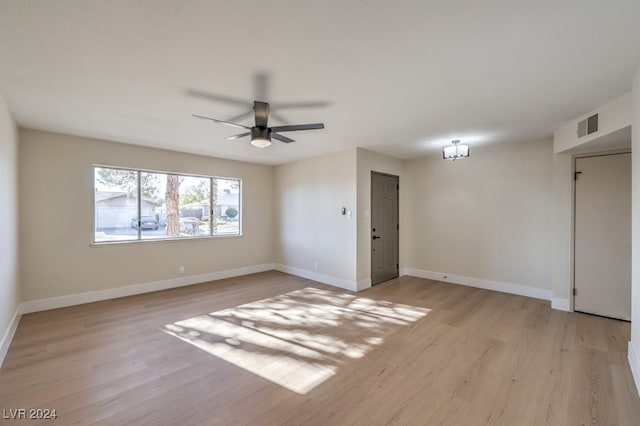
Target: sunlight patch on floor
299	339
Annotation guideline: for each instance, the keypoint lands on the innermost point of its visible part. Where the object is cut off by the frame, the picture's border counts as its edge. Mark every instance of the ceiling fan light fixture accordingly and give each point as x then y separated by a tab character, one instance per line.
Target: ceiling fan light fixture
455	151
260	142
260	138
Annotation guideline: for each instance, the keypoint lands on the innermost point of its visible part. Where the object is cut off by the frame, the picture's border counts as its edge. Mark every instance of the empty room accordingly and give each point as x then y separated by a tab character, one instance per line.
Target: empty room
331	213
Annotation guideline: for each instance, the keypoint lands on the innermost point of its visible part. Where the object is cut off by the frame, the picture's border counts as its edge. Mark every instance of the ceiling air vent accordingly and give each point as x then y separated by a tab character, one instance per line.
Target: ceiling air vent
588	126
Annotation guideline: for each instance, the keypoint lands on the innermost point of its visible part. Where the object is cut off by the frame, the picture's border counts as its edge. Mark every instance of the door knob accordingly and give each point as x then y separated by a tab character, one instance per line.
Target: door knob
375	237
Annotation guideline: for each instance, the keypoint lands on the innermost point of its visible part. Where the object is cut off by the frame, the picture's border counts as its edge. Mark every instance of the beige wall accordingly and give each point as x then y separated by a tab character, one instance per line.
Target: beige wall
487	217
56	181
368	161
9	291
309	197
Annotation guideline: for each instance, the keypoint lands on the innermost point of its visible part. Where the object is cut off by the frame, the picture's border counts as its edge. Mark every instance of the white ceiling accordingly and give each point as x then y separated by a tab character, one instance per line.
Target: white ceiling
398	77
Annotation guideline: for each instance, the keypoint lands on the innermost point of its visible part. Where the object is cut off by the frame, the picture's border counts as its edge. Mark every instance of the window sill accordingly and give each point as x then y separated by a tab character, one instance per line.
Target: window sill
160	240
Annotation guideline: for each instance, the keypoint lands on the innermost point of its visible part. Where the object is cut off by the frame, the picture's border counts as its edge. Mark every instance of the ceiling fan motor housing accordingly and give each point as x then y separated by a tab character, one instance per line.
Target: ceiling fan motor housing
260	133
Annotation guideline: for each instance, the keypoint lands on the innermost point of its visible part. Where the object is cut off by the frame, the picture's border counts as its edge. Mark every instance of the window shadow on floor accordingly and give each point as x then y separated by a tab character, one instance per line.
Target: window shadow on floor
298	339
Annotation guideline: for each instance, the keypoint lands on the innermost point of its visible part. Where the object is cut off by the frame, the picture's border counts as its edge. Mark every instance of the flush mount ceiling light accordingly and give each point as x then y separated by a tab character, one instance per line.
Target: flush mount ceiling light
455	151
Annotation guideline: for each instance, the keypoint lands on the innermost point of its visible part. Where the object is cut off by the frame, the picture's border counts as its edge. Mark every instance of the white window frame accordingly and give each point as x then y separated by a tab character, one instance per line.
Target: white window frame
139	238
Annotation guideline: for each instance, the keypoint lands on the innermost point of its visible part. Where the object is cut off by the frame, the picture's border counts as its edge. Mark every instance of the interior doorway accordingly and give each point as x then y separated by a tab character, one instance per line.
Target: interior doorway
602	235
385	190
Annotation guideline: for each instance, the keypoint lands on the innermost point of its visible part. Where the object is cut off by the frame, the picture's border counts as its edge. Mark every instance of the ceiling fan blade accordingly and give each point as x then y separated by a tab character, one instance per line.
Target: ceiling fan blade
295	127
242	116
281	138
274	115
296	105
217	98
261	110
234	137
222	122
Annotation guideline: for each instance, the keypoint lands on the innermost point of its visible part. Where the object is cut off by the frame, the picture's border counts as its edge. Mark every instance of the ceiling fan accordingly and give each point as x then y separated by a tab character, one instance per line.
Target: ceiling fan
261	134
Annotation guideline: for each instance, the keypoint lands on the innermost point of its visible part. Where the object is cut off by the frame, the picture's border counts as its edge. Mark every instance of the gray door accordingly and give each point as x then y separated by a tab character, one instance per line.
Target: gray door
384	227
603	236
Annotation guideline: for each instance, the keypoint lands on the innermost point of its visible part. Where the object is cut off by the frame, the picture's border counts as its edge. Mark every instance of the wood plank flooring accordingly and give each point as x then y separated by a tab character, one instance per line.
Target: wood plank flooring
244	351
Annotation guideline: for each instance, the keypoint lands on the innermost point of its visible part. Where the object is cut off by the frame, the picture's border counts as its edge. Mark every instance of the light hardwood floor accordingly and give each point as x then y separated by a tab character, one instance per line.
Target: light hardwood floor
272	348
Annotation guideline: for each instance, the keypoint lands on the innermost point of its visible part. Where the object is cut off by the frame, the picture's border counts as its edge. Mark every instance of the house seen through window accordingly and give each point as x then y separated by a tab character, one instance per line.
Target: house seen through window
131	205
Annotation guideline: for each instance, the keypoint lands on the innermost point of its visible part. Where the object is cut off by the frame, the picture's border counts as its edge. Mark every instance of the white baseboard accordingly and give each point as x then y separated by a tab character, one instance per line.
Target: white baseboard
634	364
321	278
520	290
363	284
561	304
8	336
113	293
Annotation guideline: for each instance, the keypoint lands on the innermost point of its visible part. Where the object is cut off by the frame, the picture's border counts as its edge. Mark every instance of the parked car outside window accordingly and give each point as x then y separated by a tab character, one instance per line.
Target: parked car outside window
146	222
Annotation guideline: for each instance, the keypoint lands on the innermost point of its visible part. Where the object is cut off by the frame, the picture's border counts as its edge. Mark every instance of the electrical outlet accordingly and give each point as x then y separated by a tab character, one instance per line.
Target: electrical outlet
181	269
316	266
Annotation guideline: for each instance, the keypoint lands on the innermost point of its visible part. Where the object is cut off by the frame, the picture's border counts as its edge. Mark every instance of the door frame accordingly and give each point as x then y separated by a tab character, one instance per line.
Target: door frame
573	217
397	178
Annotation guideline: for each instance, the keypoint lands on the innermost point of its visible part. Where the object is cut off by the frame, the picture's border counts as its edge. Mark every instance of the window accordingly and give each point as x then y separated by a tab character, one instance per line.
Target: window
132	205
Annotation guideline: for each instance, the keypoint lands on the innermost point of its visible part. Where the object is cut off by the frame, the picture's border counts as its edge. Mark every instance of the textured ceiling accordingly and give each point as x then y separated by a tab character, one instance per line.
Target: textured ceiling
398	77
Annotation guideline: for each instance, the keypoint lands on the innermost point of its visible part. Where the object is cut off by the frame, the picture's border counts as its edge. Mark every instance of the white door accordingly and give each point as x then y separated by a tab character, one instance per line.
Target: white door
602	278
384	227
